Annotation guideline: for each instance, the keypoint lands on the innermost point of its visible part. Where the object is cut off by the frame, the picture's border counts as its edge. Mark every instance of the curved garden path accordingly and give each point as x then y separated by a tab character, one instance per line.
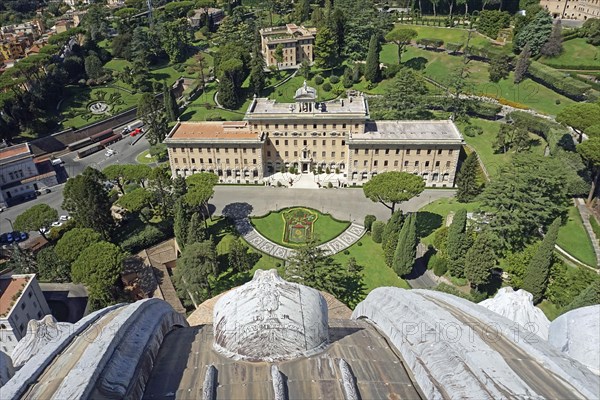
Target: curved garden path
346	239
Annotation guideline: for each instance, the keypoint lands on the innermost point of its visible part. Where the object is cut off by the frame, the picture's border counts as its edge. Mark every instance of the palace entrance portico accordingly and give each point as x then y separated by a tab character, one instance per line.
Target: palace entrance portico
305	161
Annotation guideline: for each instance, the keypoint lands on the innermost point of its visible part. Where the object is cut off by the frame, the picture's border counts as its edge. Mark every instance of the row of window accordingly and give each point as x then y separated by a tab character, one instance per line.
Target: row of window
314	154
236	161
210	150
305	142
407	152
406	163
304	126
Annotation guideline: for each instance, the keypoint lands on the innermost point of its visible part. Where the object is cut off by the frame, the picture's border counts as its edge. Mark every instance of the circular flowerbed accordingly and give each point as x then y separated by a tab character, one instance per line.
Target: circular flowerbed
296	226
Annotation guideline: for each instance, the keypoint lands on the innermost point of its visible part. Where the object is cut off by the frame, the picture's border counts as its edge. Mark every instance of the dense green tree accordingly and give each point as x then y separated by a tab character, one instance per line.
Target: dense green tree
179	187
466	180
325	49
402	38
136	200
480	259
391	188
535	33
406	248
238	257
151	111
527	195
522	63
405	97
170	103
50	268
535	279
195	272
121	46
499	67
377	231
95	22
37	218
368	222
512	136
591	30
553	46
390	236
590	296
438	264
227	93
200	190
311	267
176	38
490	22
257	71
195	230
516	263
115	173
302	11
590	152
305	69
181	222
21	261
99	267
86	199
73	242
161	184
93	67
580	117
372	72
458	243
566	283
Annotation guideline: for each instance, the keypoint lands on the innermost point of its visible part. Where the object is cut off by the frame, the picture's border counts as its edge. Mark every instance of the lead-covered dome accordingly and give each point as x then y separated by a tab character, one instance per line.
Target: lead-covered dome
270	319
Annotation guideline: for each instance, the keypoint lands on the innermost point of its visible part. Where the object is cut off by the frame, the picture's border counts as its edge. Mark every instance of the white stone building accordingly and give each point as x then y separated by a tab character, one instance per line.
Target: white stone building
21	300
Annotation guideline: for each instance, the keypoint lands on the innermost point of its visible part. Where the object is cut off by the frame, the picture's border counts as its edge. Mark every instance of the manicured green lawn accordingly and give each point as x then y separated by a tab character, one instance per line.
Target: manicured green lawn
439	64
74	108
573	238
143	159
442	208
549	309
285	93
204	107
448	35
576	53
376	272
483	145
272	226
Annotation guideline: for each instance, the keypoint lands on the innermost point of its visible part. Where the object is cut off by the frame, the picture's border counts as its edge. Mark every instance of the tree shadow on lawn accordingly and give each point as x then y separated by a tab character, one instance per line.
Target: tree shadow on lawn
427	222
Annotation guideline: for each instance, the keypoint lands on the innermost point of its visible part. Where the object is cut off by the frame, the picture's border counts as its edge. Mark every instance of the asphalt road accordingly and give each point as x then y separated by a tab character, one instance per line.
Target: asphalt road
125	154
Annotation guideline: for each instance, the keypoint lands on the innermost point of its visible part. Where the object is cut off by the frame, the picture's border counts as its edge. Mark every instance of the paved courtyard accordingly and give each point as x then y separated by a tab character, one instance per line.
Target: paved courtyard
345	204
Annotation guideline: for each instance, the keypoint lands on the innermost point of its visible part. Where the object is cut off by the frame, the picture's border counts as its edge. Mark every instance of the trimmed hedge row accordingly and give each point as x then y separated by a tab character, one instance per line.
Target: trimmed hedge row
147	237
558	81
534	124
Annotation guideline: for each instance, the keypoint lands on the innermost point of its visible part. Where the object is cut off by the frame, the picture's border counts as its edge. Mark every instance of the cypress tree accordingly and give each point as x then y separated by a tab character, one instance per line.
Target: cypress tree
180	223
377	231
227	93
536	275
171	108
480	259
238	258
390	236
195	230
588	297
535	33
457	243
406	249
553	47
372	73
257	70
523	63
466	179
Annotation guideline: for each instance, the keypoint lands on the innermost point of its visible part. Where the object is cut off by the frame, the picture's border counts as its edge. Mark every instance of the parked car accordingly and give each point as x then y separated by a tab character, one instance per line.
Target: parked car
9	238
19	236
109	152
133	126
42	191
56	224
64	218
3	238
136	132
57	161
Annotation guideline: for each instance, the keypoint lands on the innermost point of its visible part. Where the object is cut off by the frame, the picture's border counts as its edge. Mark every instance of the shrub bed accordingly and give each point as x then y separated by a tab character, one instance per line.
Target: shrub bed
558	81
146	237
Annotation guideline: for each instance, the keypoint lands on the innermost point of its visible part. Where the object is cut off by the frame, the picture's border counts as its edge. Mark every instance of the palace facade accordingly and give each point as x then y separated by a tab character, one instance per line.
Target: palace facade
572	9
296	43
311	136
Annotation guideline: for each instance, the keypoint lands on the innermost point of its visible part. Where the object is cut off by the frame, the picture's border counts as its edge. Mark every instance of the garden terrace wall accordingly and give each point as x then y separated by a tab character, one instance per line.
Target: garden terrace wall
557	81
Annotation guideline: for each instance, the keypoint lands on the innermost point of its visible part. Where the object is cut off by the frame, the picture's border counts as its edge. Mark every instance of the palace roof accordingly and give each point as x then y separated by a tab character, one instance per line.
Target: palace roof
406	131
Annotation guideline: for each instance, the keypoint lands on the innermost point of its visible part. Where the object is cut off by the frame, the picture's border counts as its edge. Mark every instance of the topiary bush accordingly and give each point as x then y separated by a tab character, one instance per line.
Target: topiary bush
438	264
327	87
319	80
377	231
473	130
334	79
368	223
146	237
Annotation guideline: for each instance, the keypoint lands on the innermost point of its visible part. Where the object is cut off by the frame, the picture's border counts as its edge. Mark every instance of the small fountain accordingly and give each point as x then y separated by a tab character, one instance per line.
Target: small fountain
99	107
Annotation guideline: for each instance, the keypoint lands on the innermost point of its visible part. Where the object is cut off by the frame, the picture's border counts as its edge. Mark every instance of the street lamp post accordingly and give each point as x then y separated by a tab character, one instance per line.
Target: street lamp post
12	228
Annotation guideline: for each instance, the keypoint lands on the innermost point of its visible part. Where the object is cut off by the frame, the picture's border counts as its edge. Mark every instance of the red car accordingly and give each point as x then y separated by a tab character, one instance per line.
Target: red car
135	132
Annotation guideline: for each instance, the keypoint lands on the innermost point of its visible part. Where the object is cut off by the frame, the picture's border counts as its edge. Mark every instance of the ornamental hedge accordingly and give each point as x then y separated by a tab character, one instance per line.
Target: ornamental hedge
558	81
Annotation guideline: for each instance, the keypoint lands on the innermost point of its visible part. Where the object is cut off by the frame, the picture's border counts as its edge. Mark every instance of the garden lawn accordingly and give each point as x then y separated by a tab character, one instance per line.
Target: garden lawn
527	94
483	145
448	35
272	227
285	93
74	108
376	273
204	108
573	238
442	208
576	54
550	309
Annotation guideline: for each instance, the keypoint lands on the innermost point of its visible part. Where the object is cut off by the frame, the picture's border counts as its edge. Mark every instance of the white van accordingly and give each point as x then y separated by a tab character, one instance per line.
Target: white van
132	126
56	161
